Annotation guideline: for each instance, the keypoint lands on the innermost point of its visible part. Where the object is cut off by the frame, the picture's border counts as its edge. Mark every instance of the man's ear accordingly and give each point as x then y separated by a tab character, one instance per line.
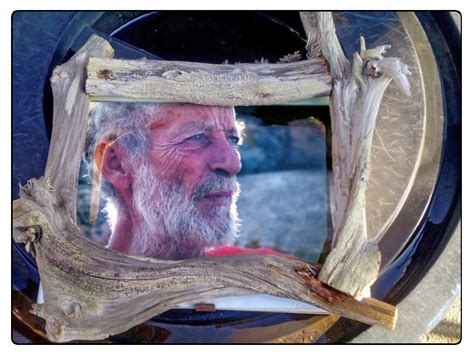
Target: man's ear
112	162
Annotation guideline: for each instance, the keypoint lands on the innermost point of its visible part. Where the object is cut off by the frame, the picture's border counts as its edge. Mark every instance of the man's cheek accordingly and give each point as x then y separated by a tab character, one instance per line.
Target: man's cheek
165	162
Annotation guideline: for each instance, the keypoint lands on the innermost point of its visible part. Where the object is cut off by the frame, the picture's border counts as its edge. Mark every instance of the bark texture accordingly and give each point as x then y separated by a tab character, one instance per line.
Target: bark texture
353	263
209	84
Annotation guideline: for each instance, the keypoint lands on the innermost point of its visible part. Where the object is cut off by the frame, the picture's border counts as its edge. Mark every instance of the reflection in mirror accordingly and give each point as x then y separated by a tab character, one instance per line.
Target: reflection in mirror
176	181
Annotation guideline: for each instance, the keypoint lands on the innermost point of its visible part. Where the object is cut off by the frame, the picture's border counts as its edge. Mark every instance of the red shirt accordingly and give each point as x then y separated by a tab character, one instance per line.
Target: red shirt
233	250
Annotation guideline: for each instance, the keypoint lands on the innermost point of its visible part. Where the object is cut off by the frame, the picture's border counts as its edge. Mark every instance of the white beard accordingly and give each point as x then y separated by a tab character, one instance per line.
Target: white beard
169	226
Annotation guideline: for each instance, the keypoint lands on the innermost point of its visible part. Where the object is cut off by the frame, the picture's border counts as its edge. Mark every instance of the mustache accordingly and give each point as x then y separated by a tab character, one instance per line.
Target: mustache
215	184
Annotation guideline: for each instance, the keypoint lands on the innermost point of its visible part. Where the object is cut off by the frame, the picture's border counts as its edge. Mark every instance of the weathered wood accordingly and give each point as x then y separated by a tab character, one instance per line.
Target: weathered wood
209	84
322	41
353	263
70	122
91	293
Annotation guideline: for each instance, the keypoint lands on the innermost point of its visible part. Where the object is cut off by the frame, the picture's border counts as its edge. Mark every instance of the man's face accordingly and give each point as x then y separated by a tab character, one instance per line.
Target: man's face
194	143
186	188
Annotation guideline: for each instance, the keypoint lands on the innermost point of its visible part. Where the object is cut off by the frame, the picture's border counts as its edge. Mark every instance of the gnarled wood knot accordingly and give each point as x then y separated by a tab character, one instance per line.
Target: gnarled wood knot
106	74
27	188
74	311
28	235
172	74
55	327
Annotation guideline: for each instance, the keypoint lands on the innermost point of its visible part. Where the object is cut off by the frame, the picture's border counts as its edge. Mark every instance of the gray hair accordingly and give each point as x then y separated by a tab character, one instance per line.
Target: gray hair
125	123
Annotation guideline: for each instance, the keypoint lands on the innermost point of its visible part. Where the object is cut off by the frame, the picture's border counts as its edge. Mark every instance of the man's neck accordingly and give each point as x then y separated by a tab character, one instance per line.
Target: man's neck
121	239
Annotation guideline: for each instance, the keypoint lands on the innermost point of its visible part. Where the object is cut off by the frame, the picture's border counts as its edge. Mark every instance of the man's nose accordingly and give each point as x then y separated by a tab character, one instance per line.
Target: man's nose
225	158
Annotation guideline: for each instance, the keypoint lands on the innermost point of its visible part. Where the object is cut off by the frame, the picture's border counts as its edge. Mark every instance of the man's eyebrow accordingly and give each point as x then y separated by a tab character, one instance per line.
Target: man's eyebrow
189	126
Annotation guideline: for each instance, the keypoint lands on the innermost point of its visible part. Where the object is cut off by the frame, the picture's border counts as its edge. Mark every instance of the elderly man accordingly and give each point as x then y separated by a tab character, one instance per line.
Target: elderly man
170	170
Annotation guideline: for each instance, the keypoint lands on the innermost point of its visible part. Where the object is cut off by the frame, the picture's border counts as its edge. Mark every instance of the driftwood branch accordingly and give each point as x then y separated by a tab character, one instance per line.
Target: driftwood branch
322	41
353	263
91	293
69	122
209	84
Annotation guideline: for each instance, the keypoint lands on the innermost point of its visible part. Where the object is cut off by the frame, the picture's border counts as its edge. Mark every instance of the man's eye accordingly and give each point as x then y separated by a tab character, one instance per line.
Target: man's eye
198	137
234	139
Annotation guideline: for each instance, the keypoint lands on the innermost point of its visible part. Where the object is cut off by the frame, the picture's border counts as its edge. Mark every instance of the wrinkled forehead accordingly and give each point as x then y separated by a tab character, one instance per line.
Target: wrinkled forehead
176	115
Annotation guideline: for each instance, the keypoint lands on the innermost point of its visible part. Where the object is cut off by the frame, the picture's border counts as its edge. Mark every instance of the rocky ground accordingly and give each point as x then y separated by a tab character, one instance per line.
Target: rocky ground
448	331
287	211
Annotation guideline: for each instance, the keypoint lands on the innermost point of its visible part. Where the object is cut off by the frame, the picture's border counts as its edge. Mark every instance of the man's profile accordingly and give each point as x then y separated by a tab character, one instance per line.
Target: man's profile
170	170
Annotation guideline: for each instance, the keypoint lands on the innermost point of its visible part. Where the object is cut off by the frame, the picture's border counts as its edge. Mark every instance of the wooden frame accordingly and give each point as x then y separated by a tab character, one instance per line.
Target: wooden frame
91	293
